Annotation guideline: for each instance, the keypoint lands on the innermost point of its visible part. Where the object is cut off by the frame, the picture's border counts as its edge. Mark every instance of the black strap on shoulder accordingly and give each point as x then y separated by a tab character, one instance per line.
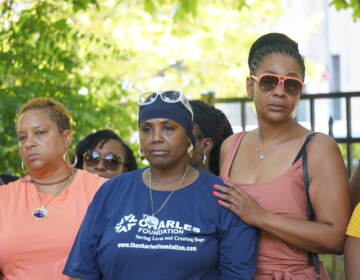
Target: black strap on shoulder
313	258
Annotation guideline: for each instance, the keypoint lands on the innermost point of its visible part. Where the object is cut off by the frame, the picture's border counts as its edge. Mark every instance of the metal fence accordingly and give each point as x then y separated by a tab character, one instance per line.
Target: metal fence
337	114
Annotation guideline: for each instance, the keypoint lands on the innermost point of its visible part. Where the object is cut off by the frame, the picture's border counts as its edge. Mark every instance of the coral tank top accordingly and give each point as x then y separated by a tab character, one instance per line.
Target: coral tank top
285	195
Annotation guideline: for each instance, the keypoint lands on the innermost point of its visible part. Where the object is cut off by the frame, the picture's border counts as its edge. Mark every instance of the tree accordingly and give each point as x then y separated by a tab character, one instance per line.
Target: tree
92	55
43	54
348	4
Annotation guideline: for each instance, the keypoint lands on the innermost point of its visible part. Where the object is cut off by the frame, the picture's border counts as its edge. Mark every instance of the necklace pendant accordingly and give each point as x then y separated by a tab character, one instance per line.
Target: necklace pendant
40	213
261	156
152	221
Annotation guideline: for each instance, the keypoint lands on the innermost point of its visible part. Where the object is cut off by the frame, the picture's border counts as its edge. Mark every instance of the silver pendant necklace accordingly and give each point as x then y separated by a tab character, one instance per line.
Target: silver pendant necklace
152	220
41	213
261	155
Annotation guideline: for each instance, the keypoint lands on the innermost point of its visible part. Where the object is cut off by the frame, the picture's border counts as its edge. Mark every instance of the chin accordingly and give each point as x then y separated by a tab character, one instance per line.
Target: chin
161	164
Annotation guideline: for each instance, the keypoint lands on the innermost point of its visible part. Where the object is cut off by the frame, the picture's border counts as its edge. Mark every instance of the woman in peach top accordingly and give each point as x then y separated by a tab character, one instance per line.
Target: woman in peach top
41	212
264	171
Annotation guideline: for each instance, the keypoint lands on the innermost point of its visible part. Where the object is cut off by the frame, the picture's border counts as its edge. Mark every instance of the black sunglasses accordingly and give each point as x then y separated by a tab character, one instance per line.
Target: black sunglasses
111	161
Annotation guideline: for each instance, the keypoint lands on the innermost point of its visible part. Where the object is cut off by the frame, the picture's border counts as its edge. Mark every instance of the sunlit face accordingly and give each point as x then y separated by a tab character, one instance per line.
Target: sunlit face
275	105
111	161
164	142
41	144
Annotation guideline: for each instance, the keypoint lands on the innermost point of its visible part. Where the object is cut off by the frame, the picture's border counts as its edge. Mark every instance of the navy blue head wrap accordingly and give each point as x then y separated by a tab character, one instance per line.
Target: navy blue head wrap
173	111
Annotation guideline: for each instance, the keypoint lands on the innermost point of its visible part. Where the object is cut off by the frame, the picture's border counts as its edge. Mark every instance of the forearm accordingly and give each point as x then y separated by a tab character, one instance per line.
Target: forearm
312	236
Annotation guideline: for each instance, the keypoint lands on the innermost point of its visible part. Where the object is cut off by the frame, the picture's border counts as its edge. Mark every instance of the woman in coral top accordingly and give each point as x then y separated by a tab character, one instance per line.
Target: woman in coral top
41	212
264	170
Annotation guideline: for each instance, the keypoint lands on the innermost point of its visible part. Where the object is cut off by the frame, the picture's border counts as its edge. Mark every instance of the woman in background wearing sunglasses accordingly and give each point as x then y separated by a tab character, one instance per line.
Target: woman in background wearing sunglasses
105	154
264	170
41	212
161	222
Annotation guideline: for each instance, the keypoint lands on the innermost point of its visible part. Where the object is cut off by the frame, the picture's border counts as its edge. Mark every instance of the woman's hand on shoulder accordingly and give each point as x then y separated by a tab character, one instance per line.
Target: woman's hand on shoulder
329	188
240	203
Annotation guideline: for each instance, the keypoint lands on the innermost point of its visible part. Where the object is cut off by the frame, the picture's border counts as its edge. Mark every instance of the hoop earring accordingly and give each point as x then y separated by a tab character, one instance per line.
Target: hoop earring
190	150
204	159
23	167
66	158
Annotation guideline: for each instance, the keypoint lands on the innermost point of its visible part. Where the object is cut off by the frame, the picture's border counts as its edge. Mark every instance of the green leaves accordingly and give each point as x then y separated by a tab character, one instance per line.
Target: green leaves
44	53
348	4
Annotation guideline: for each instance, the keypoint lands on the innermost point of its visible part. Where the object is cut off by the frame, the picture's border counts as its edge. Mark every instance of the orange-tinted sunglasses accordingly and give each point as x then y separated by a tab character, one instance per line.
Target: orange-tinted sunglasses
291	85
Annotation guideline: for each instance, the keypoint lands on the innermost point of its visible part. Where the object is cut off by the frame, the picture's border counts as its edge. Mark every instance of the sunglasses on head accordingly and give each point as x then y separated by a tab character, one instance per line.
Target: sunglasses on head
291	85
168	96
111	161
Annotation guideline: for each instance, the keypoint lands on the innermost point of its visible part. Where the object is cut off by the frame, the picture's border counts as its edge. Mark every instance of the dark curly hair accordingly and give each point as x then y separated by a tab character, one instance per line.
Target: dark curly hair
214	124
274	43
101	137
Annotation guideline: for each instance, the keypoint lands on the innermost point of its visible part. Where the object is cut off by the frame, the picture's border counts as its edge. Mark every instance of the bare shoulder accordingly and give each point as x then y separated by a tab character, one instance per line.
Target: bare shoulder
324	158
226	145
227	142
323	144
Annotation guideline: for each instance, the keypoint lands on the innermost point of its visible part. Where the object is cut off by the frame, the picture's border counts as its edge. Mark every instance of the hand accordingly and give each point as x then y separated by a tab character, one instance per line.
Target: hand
240	203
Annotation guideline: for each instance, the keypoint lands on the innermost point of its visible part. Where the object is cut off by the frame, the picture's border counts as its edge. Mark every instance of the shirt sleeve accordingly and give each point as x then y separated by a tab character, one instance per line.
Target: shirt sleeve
237	249
353	228
82	261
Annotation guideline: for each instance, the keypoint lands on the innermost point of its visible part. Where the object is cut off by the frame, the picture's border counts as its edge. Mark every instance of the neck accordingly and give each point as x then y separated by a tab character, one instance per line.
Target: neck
164	179
269	132
54	176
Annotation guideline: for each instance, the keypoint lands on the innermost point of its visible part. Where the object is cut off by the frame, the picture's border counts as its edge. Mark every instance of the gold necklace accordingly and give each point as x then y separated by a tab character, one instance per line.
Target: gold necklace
152	220
41	213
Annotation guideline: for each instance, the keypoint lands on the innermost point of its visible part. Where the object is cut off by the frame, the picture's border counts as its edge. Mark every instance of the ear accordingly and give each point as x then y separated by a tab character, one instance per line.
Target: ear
250	83
206	145
67	135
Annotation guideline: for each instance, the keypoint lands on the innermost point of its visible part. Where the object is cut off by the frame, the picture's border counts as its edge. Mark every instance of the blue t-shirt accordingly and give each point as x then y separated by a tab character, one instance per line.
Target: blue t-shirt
195	238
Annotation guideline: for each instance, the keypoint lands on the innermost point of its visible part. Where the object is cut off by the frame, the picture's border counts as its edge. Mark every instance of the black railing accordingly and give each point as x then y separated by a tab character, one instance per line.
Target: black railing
311	99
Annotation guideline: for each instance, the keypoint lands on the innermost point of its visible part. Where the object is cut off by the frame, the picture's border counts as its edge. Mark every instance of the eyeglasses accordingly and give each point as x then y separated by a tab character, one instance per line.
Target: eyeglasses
291	85
111	161
168	96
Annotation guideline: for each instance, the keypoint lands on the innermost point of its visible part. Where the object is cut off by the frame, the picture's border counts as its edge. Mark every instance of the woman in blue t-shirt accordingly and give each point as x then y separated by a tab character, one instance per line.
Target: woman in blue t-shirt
162	222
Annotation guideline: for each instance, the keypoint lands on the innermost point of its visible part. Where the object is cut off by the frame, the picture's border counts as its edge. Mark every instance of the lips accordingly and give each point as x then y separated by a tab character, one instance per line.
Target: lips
32	156
276	107
158	152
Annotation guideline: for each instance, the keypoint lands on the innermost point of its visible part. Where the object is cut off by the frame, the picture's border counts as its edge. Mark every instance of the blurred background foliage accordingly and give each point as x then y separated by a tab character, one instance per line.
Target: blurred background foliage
94	56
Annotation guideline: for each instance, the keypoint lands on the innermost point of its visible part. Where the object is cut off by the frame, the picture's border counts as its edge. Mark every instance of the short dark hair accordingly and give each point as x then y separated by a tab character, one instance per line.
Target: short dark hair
214	124
274	43
55	110
102	136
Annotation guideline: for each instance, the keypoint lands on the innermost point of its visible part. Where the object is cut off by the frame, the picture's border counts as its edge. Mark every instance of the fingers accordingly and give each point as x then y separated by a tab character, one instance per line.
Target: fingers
231	190
233	197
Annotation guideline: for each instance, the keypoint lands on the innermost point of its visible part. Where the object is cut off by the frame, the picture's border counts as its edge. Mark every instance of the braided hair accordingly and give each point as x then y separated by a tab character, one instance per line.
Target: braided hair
101	137
214	124
274	43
